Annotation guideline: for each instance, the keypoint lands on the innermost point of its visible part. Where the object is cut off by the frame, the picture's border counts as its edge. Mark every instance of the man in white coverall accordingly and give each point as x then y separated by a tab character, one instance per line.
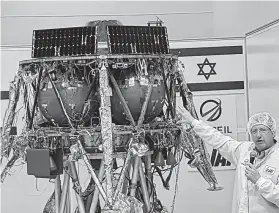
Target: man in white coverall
256	188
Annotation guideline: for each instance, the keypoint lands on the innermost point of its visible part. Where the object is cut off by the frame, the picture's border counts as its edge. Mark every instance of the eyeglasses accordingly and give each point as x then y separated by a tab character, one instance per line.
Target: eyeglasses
261	130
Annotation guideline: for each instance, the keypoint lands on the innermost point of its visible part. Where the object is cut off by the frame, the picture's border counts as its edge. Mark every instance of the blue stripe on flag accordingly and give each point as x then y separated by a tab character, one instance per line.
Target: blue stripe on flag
201	51
229	85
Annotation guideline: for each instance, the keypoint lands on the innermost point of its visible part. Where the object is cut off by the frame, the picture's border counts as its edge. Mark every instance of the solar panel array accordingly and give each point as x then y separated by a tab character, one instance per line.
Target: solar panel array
137	40
64	42
80	41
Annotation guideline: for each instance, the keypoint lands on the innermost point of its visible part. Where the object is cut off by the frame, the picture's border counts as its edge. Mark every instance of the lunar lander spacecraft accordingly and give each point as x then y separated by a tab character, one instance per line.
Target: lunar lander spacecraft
103	93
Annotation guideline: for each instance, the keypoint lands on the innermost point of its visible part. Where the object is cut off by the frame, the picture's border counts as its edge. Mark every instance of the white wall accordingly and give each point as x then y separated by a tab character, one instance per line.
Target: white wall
263	71
179	26
235	18
205	19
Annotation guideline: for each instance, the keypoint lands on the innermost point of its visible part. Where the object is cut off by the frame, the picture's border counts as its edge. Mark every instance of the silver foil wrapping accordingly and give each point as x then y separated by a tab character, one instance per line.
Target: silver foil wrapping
186	91
26	105
14	92
29	97
164	210
9	165
139	149
29	93
200	158
188	144
20	145
50	205
76	153
106	130
127	204
190	140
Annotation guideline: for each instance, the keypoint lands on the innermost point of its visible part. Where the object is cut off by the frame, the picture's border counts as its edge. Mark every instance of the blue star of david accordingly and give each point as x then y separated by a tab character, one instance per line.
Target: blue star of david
211	72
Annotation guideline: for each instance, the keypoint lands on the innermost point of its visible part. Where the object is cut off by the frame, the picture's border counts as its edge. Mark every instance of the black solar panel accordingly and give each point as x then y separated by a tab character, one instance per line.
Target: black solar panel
137	40
64	42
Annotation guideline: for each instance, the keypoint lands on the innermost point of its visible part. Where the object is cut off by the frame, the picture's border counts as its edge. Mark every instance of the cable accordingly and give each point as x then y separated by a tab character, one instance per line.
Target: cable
96	15
175	190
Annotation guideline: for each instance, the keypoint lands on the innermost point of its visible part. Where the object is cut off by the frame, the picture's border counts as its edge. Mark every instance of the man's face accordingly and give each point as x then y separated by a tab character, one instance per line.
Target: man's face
262	137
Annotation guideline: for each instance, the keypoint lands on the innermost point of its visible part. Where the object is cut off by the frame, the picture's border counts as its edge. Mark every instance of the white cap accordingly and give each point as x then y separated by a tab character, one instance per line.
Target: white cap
263	118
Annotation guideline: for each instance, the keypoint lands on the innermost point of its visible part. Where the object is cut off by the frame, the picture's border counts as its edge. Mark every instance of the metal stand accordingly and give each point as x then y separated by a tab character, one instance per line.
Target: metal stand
70	170
57	193
144	187
65	190
95	198
135	176
77	184
148	170
68	201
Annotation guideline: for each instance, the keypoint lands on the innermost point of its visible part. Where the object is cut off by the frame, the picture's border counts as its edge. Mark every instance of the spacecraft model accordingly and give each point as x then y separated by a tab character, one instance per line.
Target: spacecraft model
103	93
